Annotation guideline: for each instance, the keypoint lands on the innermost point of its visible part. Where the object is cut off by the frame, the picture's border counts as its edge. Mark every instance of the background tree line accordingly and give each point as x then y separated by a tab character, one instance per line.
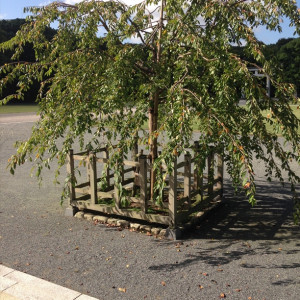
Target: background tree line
8	29
286	53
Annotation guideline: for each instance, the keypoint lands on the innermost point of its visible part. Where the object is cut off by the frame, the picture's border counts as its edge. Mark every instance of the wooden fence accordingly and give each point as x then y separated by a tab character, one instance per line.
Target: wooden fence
185	192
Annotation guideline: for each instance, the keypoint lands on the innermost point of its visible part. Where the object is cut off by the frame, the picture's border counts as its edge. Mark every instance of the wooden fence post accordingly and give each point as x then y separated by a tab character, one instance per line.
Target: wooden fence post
143	182
134	157
106	154
210	166
220	173
93	177
173	195
198	180
70	171
187	178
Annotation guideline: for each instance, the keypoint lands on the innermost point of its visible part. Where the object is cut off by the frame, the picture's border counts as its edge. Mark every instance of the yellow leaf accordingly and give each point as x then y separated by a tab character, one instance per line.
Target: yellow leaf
123	290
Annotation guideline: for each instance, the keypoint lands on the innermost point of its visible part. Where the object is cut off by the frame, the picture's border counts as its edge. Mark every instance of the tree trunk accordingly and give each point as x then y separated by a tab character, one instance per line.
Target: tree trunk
153	120
153	111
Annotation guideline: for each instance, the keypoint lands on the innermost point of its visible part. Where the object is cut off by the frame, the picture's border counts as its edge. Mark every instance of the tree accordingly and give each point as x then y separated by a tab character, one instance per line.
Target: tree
8	29
181	71
289	58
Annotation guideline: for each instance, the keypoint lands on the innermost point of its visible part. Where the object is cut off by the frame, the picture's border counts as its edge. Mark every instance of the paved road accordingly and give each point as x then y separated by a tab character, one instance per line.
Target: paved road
18	118
240	251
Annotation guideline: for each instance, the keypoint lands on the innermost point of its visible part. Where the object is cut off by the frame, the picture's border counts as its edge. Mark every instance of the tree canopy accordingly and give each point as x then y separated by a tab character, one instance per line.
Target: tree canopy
181	71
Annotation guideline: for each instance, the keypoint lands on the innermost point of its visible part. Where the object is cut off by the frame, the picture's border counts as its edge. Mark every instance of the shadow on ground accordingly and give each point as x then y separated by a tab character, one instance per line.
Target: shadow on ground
236	231
270	219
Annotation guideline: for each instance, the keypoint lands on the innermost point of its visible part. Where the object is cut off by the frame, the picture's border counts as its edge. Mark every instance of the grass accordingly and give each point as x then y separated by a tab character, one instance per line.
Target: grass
296	112
18	108
295	109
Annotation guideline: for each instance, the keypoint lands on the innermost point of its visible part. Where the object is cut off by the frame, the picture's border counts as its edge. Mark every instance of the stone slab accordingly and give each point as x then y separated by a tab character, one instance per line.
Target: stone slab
30	287
5	270
5	296
85	297
5	283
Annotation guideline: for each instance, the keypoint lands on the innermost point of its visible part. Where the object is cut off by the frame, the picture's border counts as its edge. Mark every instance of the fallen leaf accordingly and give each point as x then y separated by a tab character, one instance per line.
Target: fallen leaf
222	295
220	270
127	266
123	290
249	298
76	248
201	287
205	274
163	283
237	290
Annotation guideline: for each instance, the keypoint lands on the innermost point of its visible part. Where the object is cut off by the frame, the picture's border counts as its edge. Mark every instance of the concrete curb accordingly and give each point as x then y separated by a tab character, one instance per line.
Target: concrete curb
15	285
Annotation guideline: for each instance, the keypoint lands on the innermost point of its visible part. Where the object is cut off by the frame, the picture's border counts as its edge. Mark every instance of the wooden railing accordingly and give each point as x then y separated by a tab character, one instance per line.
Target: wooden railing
184	194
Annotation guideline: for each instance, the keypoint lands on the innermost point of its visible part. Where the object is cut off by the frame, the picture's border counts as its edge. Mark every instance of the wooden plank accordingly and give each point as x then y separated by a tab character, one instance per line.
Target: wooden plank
108	175
105	194
187	178
210	166
173	195
80	158
129	170
83	153
70	171
84	190
84	184
122	212
130	163
220	172
181	165
102	160
93	177
197	168
143	182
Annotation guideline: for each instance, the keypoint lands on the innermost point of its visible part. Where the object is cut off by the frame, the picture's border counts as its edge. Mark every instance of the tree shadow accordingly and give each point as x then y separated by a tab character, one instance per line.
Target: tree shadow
228	232
270	219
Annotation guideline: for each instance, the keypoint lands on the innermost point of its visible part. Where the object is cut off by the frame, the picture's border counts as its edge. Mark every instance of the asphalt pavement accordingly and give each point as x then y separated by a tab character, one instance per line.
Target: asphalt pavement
238	252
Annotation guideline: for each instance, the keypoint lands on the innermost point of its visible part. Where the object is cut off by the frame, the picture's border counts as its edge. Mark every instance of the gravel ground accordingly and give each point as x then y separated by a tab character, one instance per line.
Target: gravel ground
239	251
